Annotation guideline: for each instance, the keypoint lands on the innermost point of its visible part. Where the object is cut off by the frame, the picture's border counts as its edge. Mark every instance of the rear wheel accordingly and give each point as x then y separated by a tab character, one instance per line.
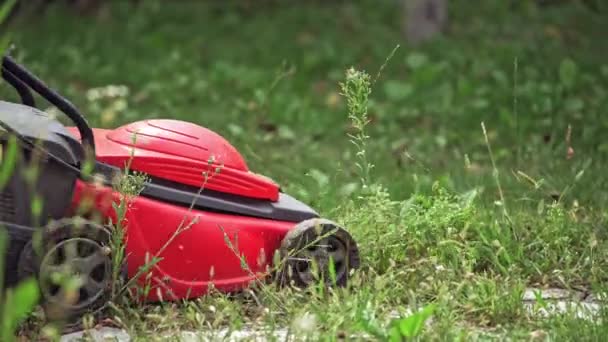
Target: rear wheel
317	250
73	268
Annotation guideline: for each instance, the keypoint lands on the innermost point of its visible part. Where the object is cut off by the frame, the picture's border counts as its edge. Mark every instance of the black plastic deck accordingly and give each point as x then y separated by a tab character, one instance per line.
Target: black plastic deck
286	208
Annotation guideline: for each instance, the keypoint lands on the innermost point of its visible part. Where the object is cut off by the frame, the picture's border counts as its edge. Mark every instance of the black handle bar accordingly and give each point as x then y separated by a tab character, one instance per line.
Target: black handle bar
20	78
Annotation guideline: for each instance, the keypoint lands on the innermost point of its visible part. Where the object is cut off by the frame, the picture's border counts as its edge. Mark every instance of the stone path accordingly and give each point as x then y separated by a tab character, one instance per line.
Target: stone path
557	301
563	301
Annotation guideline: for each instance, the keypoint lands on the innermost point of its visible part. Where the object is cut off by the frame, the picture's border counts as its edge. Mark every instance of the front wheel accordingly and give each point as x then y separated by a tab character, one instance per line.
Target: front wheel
317	250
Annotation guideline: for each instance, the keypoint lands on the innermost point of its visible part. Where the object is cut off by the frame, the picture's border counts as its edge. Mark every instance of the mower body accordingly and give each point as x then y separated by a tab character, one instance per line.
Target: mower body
207	217
201	218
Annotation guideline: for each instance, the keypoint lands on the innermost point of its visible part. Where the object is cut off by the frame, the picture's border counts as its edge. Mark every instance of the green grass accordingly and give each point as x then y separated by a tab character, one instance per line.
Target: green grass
443	220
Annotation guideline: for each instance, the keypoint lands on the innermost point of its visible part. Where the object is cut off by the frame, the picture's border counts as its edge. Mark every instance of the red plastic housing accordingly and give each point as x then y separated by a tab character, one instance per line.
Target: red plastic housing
192	244
181	152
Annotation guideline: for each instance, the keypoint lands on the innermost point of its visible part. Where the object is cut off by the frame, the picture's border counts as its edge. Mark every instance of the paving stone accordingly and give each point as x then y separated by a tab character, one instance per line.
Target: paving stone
103	334
552	294
225	335
582	310
559	301
596	298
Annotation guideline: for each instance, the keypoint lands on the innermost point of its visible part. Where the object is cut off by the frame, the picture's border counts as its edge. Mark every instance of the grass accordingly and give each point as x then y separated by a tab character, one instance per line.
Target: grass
482	152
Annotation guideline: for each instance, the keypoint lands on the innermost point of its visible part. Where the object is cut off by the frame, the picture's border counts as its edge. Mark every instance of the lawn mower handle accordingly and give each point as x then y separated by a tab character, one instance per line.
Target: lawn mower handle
20	78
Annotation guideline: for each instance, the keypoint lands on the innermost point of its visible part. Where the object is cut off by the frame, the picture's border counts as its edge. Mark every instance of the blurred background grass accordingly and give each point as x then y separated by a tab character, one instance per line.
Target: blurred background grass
265	75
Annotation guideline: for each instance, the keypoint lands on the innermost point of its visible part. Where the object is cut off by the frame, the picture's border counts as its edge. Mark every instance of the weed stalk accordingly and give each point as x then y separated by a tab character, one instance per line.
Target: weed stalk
496	175
356	89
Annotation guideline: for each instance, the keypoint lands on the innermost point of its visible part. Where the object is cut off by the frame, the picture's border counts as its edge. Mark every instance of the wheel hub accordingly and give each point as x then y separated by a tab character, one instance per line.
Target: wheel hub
75	273
315	259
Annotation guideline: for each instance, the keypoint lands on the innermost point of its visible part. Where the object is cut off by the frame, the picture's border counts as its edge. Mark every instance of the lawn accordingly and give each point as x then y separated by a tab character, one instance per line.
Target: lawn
487	144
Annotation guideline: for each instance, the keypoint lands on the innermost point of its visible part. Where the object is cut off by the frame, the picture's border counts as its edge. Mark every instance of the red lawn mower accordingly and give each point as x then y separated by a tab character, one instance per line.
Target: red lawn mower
225	228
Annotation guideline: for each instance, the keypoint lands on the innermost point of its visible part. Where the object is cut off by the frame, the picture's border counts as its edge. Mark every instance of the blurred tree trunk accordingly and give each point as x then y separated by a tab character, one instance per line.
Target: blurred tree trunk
80	7
424	19
87	6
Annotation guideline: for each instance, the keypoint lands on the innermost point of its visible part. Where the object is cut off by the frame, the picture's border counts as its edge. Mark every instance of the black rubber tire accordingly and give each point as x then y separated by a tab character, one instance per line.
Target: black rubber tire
303	234
29	264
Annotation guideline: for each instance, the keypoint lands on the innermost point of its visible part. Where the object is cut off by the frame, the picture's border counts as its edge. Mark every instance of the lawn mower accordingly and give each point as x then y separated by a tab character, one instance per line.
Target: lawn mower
200	212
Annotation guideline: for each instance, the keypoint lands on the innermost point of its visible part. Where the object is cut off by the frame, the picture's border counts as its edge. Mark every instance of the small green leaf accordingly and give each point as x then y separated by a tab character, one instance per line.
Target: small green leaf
412	325
244	265
286	133
87	167
37	205
19	302
579	175
538	296
332	270
395	334
540	208
5	10
9	158
470	196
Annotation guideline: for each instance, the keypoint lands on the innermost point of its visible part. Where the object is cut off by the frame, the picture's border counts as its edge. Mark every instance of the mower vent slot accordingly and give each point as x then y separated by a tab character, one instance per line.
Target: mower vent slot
7	205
